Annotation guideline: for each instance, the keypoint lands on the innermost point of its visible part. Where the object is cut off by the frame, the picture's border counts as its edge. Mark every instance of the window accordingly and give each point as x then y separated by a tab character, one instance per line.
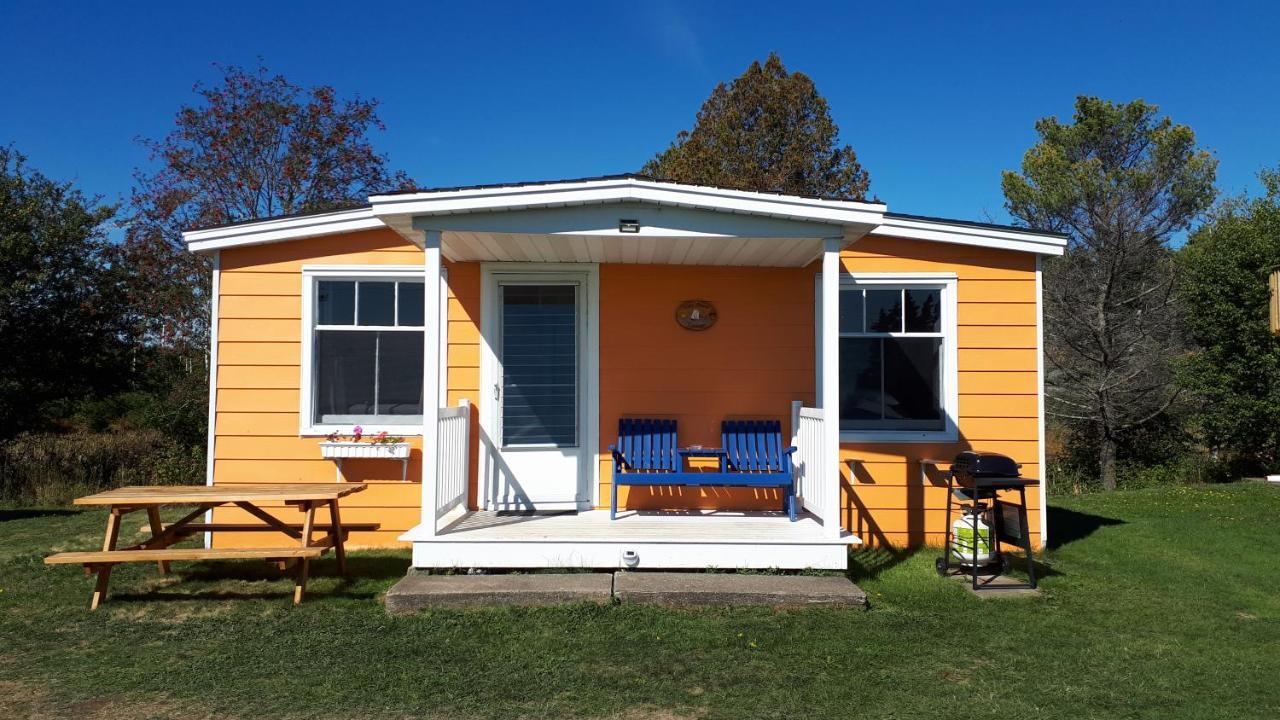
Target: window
539	354
365	344
897	358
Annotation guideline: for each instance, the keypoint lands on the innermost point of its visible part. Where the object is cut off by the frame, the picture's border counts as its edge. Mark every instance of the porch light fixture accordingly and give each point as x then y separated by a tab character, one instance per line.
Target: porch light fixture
628	226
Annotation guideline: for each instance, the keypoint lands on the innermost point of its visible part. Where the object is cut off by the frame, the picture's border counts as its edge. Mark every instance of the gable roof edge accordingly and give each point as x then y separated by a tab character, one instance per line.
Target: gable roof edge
976	234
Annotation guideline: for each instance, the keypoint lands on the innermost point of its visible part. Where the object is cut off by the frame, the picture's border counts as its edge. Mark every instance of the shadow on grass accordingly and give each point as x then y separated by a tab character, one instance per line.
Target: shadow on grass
360	568
869	562
1067	526
29	513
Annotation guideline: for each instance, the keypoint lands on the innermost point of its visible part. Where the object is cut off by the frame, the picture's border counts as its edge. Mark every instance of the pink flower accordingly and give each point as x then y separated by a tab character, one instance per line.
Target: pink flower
356	433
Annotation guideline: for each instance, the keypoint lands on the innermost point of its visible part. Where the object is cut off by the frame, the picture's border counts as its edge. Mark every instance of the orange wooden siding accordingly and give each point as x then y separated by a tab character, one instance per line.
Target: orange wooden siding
757	359
889	502
761	355
259	351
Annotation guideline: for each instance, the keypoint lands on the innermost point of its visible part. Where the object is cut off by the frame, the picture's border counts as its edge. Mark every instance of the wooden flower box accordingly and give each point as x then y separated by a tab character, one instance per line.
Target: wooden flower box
364	450
339	451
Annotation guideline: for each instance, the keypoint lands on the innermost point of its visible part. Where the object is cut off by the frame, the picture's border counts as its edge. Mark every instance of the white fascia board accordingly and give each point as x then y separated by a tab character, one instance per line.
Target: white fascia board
294	228
938	231
610	191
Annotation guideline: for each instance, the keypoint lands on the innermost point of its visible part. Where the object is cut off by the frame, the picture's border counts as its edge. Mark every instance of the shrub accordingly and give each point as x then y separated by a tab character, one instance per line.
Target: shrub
1066	477
52	469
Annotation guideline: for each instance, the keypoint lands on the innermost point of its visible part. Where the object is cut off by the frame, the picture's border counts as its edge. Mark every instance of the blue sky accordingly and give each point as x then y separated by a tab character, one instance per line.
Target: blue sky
936	98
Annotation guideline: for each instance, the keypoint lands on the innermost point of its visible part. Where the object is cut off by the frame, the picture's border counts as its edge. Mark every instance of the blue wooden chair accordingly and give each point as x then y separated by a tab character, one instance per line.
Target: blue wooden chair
755	457
752	456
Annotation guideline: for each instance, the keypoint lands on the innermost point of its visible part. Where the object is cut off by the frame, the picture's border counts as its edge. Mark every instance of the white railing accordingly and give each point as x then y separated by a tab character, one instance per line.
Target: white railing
809	459
453	458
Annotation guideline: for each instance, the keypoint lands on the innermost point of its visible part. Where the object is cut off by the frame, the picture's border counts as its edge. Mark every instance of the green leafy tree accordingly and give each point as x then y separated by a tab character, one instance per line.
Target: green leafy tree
769	130
64	321
1120	180
1235	374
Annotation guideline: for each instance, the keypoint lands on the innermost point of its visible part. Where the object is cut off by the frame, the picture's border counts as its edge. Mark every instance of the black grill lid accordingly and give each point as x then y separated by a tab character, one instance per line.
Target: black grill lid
984	464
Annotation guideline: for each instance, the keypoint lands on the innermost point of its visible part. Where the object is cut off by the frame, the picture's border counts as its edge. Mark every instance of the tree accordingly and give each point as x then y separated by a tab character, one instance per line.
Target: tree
1235	374
255	146
63	312
769	131
1120	181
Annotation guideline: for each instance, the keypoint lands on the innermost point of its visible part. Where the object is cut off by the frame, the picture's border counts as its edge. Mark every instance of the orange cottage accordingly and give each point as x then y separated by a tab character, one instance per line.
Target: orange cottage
539	319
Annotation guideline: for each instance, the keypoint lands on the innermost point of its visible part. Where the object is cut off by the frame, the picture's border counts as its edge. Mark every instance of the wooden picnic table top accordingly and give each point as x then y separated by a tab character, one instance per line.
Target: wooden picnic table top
196	494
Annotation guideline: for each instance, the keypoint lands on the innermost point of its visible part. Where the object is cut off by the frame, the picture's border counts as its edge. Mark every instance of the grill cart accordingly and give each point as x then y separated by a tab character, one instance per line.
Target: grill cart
973	545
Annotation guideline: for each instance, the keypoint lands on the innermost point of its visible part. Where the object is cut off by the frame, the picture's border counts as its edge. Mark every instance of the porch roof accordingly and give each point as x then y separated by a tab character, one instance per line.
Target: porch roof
625	219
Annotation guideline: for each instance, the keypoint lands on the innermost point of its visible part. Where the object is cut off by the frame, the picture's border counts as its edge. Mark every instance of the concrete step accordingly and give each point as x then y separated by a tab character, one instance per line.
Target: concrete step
665	588
418	591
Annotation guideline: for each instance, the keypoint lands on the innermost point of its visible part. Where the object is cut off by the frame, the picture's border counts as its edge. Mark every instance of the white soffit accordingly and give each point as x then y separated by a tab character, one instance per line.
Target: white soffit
461	246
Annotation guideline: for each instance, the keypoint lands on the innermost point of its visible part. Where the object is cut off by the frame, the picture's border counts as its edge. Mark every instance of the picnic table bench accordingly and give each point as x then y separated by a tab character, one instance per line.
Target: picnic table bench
304	497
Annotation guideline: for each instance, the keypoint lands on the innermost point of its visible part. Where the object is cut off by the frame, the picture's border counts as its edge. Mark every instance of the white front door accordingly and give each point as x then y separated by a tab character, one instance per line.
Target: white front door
538	449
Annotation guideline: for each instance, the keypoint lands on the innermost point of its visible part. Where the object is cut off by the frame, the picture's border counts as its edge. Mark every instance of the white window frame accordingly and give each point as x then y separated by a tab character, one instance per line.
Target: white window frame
311	275
945	282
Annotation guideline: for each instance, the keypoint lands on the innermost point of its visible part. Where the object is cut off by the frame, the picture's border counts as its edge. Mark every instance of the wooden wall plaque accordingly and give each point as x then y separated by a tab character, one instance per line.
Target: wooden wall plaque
696	314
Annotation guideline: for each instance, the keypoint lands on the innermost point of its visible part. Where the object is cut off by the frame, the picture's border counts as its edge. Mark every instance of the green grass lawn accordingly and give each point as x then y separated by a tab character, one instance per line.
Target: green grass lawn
1158	603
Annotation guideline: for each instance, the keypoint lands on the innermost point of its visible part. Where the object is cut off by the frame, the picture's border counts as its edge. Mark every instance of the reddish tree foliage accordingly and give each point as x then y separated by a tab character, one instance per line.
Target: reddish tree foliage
255	146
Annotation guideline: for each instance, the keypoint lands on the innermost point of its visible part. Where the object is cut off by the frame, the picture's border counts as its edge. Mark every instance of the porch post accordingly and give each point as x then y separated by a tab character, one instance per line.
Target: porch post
430	380
831	385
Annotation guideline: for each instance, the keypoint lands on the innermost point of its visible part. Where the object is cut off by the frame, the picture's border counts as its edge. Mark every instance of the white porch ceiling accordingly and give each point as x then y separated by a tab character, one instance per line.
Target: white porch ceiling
464	246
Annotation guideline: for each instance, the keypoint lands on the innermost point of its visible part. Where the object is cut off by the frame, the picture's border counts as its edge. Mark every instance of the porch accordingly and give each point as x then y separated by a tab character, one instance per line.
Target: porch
692	539
454	536
574	292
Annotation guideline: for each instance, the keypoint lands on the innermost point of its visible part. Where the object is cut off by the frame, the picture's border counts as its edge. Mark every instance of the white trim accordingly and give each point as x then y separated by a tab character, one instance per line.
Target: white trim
947	282
965	234
591	368
311	273
557	194
829	359
609	554
398	212
1044	470
281	229
432	357
215	290
673	540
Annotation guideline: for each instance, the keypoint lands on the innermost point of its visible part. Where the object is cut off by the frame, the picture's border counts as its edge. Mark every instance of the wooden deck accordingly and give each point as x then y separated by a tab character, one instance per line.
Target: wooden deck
693	539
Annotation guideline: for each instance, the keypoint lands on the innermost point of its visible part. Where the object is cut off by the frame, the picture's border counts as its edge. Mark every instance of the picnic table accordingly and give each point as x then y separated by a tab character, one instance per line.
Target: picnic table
250	498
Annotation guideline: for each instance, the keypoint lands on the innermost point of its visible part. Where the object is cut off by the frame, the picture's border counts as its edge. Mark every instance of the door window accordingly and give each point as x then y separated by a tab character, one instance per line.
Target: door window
539	365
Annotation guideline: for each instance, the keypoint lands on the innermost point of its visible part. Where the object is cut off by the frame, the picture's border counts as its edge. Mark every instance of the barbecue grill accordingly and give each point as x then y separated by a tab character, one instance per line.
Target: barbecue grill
974	486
